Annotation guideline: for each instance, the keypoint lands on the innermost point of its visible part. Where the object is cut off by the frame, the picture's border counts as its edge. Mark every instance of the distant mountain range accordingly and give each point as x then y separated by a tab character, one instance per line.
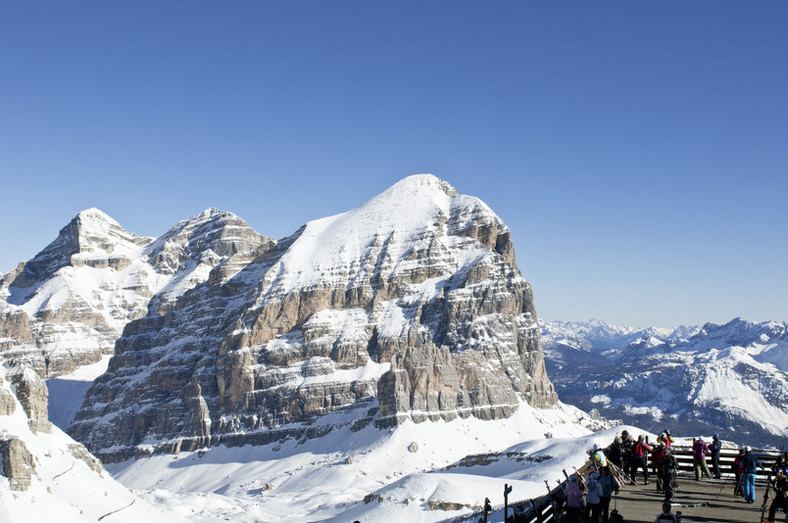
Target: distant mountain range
731	378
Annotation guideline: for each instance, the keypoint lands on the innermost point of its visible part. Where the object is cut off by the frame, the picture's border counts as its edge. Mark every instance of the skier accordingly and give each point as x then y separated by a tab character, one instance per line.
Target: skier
669	466
609	486
780	485
716	447
667	516
640	458
627	442
593	497
615	451
749	466
598	455
656	464
665	438
573	490
699	451
738	489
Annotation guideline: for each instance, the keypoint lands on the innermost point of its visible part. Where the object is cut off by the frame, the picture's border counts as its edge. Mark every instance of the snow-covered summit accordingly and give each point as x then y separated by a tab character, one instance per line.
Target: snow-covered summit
404	217
73	299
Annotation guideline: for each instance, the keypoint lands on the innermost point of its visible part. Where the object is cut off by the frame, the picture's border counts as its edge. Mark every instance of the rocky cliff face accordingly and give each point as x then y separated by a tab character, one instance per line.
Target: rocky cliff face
68	305
408	307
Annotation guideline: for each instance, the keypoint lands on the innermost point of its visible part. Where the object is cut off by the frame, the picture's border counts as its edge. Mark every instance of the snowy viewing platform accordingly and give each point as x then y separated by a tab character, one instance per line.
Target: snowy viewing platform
708	500
705	500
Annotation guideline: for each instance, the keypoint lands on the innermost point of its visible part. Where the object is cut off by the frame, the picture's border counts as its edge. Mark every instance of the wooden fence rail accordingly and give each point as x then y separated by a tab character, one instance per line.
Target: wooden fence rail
541	509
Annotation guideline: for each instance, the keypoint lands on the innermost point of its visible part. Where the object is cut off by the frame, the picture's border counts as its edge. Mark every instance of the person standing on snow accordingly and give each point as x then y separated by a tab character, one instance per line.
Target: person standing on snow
716	447
593	497
669	467
699	451
665	438
656	463
573	490
749	466
640	452
609	486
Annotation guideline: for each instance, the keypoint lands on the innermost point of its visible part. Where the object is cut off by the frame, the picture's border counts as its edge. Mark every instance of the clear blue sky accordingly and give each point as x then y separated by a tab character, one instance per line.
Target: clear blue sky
637	150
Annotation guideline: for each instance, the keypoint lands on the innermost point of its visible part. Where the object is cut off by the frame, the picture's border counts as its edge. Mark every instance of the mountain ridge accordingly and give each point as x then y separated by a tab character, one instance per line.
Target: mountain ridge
728	378
66	306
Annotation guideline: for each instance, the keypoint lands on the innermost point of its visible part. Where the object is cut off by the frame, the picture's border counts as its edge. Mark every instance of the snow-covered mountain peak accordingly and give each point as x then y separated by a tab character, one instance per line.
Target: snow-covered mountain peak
91	238
96	230
95	215
408	217
742	332
206	237
72	300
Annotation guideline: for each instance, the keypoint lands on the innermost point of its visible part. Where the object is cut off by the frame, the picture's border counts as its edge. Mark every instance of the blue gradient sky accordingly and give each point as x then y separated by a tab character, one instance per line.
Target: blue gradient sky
638	151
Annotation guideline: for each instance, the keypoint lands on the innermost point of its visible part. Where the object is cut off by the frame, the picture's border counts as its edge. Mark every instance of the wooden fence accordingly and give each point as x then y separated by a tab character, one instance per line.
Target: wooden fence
542	509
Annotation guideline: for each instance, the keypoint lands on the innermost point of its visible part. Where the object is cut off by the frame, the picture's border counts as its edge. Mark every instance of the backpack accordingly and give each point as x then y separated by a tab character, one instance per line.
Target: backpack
627	448
781	484
615	517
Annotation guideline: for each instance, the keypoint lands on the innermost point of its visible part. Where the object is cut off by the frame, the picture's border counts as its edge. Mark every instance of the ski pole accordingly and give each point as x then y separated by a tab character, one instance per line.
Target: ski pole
722	487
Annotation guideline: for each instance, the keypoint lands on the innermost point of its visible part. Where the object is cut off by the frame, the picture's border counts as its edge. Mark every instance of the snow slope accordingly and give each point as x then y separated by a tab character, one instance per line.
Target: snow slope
404	474
65	488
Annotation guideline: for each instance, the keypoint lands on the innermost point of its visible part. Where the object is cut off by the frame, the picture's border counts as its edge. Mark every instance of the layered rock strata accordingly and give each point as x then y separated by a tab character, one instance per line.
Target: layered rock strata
408	307
68	305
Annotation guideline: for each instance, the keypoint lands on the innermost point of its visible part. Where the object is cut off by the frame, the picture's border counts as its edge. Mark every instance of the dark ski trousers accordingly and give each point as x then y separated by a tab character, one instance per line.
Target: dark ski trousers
779	502
715	464
593	510
604	503
669	484
738	490
641	462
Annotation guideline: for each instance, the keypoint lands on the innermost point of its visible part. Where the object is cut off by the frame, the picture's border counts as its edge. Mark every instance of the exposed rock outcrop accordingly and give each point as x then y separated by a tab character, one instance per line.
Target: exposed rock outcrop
408	307
18	464
7	401
32	393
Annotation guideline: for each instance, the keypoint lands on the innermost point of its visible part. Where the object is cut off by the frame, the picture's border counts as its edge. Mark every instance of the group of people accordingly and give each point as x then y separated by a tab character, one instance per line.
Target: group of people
598	487
630	455
620	462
